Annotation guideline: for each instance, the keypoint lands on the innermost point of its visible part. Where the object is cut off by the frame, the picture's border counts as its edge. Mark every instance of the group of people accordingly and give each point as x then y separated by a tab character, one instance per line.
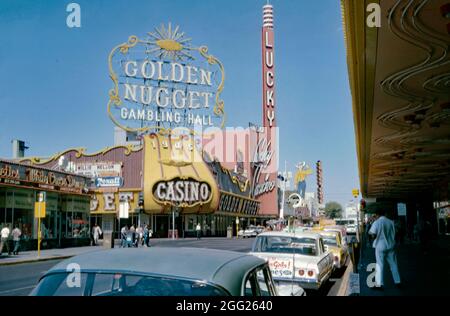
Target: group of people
6	234
135	237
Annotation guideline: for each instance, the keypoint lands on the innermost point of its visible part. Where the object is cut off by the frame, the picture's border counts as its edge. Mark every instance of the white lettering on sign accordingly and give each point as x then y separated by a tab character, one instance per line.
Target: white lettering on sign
182	192
269	79
262	158
109	202
163	71
98	169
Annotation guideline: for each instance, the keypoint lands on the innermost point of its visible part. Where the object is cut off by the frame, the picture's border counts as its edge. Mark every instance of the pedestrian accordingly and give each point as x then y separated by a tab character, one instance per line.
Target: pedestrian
383	230
96	232
139	236
4	239
133	235
145	235
123	236
425	232
150	234
199	230
16	233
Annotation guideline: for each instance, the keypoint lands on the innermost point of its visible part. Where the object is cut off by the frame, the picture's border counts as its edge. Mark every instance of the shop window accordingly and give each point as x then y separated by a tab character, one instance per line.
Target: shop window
24	220
80	225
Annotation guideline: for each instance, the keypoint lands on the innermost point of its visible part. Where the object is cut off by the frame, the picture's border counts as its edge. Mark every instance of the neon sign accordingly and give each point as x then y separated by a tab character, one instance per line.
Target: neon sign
161	82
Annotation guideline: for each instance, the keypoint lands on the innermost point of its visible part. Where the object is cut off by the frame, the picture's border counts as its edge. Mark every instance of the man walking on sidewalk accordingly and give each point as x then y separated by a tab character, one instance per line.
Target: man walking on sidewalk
16	233
4	239
199	231
384	231
96	232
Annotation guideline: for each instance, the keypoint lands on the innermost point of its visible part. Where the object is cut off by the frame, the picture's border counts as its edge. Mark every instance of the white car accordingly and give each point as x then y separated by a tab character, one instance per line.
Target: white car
351	228
295	257
251	231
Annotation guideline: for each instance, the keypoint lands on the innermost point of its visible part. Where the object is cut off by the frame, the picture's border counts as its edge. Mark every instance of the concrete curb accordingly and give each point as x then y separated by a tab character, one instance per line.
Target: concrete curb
343	289
10	263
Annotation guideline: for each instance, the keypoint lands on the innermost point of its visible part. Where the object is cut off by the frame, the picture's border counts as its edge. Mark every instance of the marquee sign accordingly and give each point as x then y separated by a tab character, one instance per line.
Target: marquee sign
161	81
22	176
182	192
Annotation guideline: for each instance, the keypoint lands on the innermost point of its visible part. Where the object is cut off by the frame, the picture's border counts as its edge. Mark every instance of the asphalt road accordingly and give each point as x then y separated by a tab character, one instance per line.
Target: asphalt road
20	279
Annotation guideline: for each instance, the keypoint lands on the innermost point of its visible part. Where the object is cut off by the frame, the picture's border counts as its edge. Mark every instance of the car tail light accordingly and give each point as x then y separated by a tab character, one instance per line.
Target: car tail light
301	272
310	273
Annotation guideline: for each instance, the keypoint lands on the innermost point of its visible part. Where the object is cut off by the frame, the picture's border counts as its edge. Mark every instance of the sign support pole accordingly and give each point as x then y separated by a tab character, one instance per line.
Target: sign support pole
39	231
173	224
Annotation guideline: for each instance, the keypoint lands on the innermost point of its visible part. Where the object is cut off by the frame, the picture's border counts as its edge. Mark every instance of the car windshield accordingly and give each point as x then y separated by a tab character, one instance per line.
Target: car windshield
119	284
285	244
329	240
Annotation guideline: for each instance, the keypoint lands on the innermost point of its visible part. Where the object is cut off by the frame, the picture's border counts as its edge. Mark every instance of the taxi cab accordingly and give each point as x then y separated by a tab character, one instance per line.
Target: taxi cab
299	257
333	242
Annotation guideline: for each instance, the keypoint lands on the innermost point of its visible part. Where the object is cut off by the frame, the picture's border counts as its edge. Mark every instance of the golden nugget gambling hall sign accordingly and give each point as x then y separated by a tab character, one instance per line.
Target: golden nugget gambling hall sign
161	81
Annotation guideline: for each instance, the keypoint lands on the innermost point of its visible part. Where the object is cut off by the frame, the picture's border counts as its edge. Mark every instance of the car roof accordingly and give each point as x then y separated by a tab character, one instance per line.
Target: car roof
329	232
293	234
224	268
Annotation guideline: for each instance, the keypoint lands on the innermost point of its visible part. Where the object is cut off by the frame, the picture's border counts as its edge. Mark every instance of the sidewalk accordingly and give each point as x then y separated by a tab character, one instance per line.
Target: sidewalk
63	253
420	274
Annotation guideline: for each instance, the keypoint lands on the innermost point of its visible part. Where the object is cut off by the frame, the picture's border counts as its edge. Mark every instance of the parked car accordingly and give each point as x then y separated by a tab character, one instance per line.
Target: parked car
338	228
295	257
160	271
333	242
250	231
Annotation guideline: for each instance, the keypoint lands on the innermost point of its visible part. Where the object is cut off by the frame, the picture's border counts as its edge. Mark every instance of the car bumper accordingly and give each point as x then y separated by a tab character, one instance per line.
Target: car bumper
303	282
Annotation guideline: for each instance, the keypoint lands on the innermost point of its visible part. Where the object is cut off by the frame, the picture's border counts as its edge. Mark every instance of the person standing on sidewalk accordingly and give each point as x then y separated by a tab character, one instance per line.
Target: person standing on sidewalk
4	239
145	234
96	232
425	235
123	235
16	233
383	230
199	231
139	236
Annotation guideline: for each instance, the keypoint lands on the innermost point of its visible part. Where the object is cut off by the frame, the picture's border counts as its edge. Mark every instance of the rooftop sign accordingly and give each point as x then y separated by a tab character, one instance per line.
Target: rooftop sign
161	81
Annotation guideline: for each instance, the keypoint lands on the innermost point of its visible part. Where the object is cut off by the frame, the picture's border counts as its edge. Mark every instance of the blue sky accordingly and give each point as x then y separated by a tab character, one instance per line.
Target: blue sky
54	80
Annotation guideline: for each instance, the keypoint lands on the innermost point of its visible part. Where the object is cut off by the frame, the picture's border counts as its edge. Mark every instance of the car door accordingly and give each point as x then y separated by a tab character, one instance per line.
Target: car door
325	263
259	282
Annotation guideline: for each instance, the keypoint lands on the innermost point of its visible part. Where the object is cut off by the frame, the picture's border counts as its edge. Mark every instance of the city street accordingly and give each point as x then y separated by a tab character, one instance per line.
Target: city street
19	279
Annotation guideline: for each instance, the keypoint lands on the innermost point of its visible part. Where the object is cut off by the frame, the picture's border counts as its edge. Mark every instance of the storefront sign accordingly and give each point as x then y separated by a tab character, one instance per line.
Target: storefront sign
233	204
110	202
162	81
23	176
262	158
98	169
268	77
401	209
108	182
182	193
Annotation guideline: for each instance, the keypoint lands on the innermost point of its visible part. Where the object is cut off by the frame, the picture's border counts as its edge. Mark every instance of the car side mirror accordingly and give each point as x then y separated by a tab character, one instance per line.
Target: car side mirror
289	289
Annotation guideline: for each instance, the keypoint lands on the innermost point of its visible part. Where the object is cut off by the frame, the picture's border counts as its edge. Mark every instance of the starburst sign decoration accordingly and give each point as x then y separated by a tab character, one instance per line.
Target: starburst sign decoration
162	82
170	43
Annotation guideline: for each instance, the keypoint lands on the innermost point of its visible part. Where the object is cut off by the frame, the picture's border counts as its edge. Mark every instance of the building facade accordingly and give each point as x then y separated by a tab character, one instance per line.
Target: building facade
67	205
